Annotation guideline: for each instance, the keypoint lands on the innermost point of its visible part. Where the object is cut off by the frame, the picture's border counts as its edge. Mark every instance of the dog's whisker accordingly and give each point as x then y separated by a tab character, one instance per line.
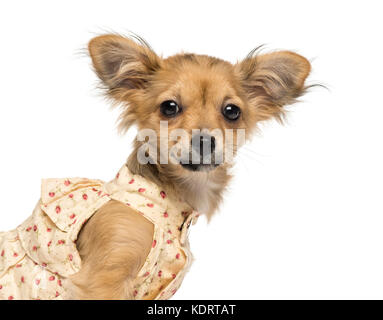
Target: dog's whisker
248	157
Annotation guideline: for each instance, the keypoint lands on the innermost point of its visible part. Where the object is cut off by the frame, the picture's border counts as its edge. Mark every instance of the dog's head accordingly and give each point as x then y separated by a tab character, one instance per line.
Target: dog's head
209	99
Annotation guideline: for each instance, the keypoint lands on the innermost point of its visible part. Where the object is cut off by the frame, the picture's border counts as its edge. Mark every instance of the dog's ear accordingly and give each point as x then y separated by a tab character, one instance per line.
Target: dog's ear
273	80
122	64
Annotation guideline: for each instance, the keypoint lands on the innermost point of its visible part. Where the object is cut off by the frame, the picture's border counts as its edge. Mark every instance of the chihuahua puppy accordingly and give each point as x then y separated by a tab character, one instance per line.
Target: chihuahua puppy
131	241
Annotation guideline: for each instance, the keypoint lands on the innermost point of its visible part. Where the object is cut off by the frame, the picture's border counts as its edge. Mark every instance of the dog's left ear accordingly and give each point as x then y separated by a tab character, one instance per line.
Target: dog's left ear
123	65
273	80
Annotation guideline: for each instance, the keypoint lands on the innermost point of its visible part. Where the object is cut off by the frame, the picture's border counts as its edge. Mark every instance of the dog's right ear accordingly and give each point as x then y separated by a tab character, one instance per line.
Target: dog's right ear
122	64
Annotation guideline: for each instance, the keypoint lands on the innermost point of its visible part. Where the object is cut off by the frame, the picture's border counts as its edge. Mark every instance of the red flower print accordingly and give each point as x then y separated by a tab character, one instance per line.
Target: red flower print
70	195
58	209
51	278
1	287
22	279
49	243
49	229
94	189
28	229
154	243
117	175
15	254
150	205
174	275
67	182
146	274
34	248
160	273
61	241
178	256
19	265
163	194
99	193
135	293
37	281
169	241
72	216
35	228
131	181
59	282
141	190
166	215
70	257
57	294
170	231
2	253
51	194
85	196
44	264
174	291
10	298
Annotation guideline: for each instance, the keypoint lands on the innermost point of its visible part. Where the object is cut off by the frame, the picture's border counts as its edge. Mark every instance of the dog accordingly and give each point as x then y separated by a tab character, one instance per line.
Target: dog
127	238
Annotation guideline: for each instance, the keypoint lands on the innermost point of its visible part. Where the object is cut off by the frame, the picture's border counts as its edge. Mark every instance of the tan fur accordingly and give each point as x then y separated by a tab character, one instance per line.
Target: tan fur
116	240
113	246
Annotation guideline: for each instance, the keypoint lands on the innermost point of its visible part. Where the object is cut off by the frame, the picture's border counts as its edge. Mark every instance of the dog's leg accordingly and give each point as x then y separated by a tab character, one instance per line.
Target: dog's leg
113	246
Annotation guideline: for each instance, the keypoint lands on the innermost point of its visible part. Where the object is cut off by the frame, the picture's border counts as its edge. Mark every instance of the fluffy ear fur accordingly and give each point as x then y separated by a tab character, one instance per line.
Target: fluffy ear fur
273	80
122	64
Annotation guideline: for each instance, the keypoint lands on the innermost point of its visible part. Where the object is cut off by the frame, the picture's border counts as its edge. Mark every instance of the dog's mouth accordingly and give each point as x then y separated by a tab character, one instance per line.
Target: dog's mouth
199	167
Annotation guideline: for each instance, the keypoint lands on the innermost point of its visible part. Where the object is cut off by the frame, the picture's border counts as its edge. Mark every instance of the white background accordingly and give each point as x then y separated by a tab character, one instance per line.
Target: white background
303	217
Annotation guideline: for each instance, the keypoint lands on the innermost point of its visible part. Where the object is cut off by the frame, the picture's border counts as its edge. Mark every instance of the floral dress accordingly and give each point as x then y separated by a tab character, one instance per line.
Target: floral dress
37	258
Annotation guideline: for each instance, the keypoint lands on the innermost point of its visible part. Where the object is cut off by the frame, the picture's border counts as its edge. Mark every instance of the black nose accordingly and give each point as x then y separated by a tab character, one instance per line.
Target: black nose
203	143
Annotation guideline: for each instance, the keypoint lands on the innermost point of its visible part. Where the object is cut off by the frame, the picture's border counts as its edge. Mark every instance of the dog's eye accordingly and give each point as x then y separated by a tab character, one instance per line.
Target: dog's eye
231	112
170	108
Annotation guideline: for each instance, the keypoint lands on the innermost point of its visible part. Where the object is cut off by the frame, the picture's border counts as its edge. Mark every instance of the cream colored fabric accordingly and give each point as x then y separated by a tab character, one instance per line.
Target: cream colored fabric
37	258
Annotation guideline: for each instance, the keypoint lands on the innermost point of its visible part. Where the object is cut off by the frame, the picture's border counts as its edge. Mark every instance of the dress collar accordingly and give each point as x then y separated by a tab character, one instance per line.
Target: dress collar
150	200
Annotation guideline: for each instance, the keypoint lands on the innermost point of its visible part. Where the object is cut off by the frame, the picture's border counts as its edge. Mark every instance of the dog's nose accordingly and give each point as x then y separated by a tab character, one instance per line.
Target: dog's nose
203	143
